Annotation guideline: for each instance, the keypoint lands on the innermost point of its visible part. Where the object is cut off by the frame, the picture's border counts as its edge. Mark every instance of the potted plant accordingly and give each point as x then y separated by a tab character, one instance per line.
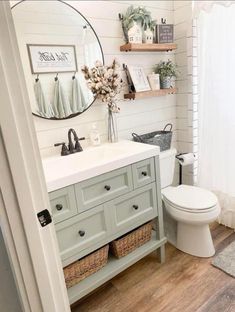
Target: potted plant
139	16
167	72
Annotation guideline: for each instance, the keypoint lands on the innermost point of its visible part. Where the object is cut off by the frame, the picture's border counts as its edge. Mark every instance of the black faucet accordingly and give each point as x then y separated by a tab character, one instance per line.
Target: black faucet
71	147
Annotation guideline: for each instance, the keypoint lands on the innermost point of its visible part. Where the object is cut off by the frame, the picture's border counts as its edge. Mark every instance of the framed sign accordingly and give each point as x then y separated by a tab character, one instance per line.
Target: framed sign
139	78
165	33
46	58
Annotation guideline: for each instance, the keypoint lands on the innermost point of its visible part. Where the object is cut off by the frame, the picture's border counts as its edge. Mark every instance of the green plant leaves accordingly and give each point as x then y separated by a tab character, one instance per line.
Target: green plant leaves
139	15
166	69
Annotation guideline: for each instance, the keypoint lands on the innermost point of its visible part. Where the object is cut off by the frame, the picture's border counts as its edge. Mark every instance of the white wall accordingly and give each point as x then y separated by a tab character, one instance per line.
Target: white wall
186	111
139	116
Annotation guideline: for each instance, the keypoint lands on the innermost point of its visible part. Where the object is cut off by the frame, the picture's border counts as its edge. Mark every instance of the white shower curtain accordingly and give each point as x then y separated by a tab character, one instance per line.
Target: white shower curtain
203	5
217	107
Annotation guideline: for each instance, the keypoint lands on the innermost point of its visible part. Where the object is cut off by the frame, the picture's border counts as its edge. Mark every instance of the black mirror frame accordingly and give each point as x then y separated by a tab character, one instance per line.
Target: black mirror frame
76	114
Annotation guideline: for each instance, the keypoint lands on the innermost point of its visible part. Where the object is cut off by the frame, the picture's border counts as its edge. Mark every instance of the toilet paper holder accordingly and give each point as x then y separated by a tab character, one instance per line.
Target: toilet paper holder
180	159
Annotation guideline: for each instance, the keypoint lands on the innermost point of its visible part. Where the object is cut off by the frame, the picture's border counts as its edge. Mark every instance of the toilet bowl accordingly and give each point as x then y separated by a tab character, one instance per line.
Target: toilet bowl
193	208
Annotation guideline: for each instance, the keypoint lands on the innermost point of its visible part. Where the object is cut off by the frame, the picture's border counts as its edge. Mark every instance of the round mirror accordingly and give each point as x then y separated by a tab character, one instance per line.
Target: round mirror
55	41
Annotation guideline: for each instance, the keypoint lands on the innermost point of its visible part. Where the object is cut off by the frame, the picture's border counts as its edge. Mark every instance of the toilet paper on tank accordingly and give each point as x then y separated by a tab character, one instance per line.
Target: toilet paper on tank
186	159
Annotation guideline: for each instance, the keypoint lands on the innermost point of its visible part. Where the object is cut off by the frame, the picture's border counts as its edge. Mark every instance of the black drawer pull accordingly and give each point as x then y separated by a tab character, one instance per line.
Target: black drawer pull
136	207
107	187
81	233
144	173
59	207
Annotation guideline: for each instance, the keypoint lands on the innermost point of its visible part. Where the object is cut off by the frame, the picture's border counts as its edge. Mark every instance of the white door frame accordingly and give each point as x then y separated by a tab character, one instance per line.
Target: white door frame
46	291
14	238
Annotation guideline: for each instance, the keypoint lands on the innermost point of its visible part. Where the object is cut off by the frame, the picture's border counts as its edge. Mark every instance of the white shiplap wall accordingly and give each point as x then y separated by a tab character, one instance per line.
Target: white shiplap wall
139	116
186	111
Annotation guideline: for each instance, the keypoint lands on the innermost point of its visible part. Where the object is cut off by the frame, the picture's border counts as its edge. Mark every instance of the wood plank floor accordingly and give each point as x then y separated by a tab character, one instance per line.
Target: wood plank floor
183	283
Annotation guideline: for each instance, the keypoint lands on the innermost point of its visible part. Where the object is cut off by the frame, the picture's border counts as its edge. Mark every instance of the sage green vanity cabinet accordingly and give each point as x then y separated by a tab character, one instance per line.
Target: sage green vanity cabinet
135	208
63	204
100	189
143	172
82	231
98	210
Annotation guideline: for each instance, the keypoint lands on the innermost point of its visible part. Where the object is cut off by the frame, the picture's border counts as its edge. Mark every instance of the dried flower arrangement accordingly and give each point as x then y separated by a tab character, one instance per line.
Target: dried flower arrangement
104	82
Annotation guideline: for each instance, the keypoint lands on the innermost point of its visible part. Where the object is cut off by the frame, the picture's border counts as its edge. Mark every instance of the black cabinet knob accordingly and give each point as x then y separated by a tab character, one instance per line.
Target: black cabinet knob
81	233
144	173
59	207
107	187
136	207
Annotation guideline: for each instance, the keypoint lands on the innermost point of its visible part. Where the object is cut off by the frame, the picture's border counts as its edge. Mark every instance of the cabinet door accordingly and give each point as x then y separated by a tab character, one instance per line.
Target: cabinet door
135	208
98	190
82	231
143	172
63	204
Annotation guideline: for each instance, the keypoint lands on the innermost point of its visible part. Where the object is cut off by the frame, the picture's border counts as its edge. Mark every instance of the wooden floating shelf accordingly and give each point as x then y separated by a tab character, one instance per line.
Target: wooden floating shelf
148	47
152	93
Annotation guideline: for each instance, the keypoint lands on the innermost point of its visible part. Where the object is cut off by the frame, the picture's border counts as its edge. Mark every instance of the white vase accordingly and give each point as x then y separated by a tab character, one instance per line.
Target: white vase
112	126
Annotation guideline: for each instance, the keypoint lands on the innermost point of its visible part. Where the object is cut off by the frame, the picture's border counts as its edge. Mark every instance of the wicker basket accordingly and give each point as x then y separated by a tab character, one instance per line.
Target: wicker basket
129	242
162	138
77	271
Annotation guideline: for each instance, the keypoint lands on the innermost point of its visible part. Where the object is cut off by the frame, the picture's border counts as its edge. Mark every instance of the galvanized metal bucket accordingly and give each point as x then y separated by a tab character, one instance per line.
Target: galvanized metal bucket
166	83
161	138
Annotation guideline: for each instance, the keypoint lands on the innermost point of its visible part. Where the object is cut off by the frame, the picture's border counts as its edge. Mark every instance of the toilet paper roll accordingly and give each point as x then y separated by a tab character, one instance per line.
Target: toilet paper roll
186	159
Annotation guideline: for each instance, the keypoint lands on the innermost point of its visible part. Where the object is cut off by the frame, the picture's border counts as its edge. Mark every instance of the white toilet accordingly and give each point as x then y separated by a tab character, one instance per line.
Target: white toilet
192	208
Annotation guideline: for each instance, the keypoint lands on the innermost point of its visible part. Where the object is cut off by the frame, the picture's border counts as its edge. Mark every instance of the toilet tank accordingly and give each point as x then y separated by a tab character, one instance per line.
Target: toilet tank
167	167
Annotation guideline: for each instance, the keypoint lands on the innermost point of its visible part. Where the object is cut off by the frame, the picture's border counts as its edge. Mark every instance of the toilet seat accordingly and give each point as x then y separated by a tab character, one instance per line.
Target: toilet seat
191	199
189	210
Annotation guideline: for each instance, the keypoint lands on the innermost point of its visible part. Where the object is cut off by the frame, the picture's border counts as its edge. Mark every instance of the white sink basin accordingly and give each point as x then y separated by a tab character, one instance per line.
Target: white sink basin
61	171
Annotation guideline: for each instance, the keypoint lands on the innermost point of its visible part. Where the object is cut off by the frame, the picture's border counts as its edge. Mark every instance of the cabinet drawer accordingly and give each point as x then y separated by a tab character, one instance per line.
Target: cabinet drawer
63	203
82	231
135	208
143	172
100	189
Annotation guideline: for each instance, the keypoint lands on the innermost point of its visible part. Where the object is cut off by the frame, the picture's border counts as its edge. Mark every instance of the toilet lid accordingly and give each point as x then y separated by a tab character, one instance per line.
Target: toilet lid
190	198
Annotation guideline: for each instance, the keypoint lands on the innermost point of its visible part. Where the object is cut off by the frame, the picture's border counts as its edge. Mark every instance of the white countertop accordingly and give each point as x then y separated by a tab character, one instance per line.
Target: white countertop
61	171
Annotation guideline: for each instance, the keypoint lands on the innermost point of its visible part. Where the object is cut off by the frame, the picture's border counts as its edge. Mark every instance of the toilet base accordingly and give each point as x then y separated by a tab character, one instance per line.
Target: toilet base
195	240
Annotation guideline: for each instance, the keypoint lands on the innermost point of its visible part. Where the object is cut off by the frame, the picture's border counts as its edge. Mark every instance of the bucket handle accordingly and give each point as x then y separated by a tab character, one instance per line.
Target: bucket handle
169	124
137	137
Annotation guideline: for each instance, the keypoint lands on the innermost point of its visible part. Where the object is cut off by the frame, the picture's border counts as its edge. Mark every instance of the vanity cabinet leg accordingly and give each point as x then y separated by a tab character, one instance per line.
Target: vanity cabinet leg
161	254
